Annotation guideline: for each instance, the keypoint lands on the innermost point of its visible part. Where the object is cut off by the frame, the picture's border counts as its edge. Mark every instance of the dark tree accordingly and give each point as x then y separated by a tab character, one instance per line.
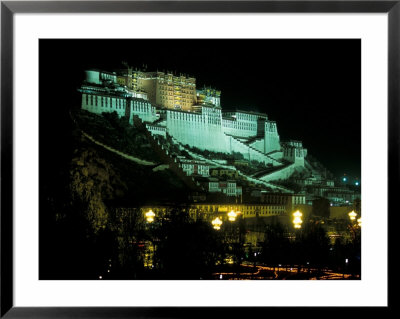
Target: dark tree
276	246
313	245
188	249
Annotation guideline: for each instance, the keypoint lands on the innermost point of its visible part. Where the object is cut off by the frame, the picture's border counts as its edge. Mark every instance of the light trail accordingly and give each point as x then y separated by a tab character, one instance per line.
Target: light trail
326	273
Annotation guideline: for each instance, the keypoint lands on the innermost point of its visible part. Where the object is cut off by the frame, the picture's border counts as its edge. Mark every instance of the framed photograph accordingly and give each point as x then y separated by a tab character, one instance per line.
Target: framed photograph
196	158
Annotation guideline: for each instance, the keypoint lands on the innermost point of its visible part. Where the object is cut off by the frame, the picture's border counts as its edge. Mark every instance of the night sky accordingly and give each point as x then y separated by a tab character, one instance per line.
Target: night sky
311	88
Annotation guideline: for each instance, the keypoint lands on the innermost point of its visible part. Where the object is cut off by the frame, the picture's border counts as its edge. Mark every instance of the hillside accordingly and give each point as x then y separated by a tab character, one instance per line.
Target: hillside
135	184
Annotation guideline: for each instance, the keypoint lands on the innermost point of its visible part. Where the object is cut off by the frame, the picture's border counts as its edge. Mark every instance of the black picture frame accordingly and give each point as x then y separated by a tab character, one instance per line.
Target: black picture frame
9	8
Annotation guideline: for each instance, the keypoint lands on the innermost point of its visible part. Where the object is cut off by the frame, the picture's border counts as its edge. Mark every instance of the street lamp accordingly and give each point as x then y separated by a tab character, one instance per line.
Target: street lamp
150	216
352	215
216	223
359	222
232	216
297	221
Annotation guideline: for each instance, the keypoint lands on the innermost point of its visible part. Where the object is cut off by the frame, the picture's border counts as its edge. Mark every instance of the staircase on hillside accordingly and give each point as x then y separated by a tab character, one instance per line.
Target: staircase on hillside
270	170
164	154
252	139
257	151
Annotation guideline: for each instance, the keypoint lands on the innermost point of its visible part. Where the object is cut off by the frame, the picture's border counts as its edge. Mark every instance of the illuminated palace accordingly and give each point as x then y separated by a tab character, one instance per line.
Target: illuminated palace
171	104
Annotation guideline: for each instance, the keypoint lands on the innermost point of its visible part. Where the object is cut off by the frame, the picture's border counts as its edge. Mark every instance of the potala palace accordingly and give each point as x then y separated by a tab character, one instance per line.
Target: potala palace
171	106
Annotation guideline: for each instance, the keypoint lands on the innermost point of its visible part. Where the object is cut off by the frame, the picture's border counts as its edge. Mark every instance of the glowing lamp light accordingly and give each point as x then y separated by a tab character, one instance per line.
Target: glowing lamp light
232	216
359	222
352	215
344	179
216	223
150	216
297	213
357	183
297	221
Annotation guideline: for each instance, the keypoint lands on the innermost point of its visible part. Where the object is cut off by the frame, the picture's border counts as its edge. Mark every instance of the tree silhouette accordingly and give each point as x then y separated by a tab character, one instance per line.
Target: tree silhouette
313	245
276	247
187	249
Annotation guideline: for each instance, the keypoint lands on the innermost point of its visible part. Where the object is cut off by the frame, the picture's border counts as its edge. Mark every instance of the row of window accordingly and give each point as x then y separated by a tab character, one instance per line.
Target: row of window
195	121
293	152
187	85
240	125
211	112
142	107
248	117
177	88
166	98
246	209
104	101
156	128
185	116
266	213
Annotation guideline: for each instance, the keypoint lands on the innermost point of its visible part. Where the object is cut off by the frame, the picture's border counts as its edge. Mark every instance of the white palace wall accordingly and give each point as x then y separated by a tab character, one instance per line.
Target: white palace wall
239	128
240	124
271	137
203	130
196	130
248	153
143	109
258	144
98	104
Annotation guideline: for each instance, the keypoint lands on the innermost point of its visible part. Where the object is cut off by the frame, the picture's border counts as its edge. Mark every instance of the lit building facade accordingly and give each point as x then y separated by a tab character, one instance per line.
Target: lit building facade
168	105
167	90
209	211
129	77
229	187
242	123
191	167
290	201
101	93
294	152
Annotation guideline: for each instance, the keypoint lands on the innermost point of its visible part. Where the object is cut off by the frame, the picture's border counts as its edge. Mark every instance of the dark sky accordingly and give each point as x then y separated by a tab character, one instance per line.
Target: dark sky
312	88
